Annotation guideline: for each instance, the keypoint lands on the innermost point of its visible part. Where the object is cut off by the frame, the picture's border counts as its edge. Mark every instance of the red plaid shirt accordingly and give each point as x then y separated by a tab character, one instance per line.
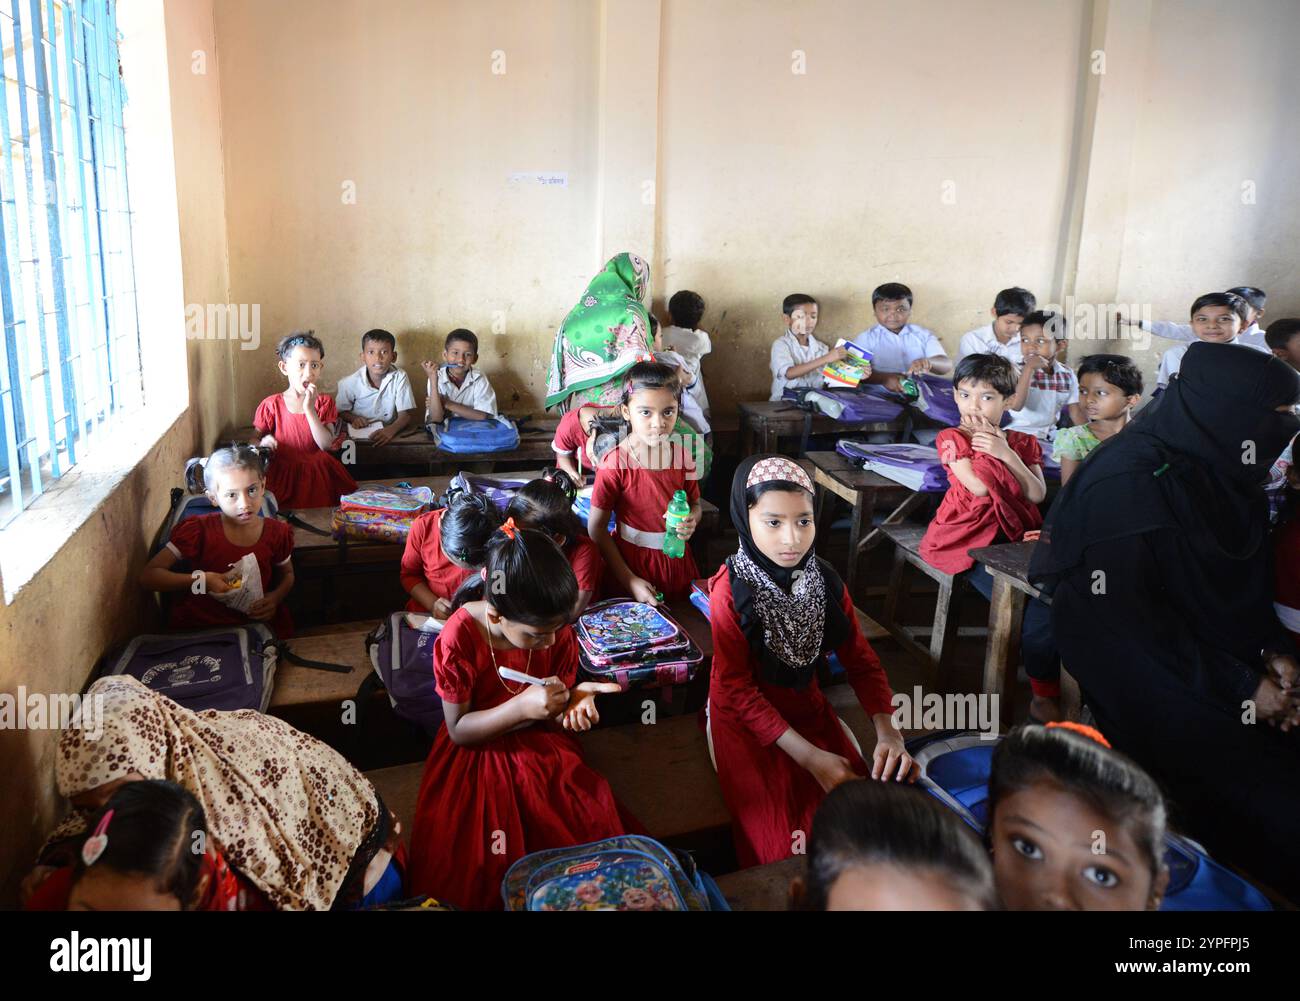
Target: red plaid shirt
1056	378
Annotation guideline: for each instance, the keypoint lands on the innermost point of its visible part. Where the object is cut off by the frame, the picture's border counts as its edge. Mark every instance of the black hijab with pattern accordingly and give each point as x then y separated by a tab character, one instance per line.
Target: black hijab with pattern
790	615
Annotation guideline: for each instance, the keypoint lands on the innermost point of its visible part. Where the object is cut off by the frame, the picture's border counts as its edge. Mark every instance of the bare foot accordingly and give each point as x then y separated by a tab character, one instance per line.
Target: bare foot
1045	710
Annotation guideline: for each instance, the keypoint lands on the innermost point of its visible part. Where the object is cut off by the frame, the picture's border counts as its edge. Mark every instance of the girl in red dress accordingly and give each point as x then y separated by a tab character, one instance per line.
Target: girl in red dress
504	777
546	504
443	549
995	483
214	545
572	442
776	609
637	481
300	425
142	856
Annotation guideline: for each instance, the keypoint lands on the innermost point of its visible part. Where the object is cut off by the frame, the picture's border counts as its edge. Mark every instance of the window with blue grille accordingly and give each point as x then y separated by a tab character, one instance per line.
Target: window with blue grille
70	350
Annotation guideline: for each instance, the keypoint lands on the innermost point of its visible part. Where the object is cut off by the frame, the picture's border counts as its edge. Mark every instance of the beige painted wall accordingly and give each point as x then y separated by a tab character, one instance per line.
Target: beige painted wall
762	180
400	99
84	601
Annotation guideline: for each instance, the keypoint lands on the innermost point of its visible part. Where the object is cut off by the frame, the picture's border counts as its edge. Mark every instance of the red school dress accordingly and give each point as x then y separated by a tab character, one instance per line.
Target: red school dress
768	795
639	497
570	439
202	543
964	521
588	565
1286	576
301	474
424	562
481	808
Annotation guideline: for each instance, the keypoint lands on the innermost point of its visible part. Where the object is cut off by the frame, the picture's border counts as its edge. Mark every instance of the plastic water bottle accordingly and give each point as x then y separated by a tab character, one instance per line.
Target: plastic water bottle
679	509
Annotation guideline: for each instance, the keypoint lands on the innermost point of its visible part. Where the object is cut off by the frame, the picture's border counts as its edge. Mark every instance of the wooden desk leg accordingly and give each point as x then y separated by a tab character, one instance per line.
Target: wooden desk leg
820	518
770	439
1006	612
863	505
746	436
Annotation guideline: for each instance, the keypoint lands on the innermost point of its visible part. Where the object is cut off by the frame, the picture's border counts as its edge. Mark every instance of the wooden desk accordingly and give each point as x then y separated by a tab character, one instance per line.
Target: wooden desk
1008	565
764	887
765	422
414	449
835	474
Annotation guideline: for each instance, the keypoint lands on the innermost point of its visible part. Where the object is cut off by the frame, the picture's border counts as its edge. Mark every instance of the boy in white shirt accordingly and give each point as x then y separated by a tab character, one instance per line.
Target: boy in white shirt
797	357
899	348
1002	336
461	390
686	309
1217	318
1252	334
1045	385
378	390
687	377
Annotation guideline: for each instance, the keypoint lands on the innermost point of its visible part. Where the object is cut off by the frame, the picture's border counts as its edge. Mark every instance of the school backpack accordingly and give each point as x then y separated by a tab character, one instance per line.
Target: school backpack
957	765
498	489
461	436
402	656
635	645
377	513
226	668
858	406
624	873
916	467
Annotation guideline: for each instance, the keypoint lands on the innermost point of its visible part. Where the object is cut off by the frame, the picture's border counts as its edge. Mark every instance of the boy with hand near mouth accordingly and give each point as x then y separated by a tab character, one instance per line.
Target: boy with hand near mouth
456	388
1044	385
378	390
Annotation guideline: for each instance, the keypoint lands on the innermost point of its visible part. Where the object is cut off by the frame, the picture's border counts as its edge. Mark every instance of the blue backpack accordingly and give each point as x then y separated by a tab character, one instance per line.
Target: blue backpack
462	436
625	873
957	766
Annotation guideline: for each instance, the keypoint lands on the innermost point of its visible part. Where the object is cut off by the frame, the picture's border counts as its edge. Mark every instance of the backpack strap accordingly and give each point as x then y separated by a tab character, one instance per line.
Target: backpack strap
315	665
297	522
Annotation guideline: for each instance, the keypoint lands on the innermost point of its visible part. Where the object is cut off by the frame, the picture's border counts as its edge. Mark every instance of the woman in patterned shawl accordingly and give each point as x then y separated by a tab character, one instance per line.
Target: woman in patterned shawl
603	336
286	811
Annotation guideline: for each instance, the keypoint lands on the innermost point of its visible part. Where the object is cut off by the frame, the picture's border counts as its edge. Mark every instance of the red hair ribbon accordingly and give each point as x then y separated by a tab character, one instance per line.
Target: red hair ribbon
510	528
1084	731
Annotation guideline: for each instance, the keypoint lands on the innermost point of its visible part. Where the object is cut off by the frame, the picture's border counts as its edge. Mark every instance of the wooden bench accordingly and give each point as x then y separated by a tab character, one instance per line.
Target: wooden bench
944	631
762	887
835	474
1008	565
764	422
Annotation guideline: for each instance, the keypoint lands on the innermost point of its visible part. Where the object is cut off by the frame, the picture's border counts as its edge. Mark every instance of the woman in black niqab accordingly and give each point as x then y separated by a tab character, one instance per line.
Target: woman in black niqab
1156	557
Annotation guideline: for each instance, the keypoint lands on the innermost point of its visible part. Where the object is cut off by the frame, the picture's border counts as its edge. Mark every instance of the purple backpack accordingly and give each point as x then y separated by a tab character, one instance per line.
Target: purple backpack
497	489
403	658
864	405
915	466
228	668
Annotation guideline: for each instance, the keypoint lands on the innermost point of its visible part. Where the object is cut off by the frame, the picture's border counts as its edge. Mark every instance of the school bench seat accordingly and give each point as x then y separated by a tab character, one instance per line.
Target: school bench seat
944	632
762	887
297	686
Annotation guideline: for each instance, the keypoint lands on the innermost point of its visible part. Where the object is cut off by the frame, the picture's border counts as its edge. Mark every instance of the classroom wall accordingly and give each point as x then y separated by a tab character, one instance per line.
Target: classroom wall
822	146
368	150
84	602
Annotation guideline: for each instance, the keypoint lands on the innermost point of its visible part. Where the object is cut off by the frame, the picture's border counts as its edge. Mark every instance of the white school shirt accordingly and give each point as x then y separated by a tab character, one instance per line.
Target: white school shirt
983	341
692	412
1043	407
787	351
383	404
474	392
692	345
894	352
1251	337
